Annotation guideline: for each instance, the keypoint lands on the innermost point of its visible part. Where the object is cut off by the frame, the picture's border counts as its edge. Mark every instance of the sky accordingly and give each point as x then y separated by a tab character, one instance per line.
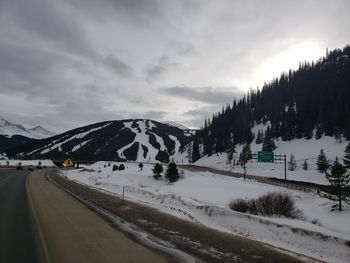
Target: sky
68	63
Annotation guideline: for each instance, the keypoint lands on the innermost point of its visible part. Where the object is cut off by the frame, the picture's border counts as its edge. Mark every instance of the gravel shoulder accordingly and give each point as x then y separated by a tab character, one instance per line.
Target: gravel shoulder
71	232
206	244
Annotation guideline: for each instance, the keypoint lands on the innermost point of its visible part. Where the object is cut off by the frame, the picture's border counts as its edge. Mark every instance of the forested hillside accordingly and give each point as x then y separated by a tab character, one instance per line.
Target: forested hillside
309	102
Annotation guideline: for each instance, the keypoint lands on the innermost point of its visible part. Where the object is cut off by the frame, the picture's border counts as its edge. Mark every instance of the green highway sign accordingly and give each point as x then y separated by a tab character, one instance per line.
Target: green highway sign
265	157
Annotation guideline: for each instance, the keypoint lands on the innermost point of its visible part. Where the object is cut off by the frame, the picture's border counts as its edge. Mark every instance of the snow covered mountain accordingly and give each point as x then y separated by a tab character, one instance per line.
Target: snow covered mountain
178	125
131	140
9	129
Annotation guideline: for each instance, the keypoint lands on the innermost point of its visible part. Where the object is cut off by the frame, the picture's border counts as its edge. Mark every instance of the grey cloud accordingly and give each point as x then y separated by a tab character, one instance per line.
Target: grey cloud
95	60
187	51
154	71
140	13
154	115
163	64
216	96
118	66
195	117
182	48
47	20
27	68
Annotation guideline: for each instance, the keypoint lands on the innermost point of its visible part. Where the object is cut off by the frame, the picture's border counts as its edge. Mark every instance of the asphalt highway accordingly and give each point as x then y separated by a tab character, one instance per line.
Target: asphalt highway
17	240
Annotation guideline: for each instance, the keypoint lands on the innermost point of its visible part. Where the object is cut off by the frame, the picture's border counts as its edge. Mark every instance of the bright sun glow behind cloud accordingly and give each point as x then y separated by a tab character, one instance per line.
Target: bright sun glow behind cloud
288	59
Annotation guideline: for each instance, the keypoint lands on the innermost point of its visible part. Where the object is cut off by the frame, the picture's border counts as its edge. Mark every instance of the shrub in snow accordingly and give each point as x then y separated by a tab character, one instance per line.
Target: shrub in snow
115	167
141	166
172	173
239	204
121	167
292	165
322	162
273	203
338	179
157	170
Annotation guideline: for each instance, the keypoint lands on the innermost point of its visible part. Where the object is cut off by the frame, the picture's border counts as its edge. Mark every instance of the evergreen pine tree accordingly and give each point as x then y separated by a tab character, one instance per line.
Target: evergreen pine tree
347	128
322	162
172	173
195	151
347	156
246	153
337	134
157	170
305	165
259	137
268	144
292	165
230	155
319	132
339	179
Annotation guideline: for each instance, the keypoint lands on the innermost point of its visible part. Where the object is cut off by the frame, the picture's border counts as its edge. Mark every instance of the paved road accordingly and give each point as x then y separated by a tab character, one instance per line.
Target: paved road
71	232
17	242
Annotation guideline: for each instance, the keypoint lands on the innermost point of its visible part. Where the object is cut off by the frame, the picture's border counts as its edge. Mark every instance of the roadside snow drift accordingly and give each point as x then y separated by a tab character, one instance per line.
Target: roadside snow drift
204	197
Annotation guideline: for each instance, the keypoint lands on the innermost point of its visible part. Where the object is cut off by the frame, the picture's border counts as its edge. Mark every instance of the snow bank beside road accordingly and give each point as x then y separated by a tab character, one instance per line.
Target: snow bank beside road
204	197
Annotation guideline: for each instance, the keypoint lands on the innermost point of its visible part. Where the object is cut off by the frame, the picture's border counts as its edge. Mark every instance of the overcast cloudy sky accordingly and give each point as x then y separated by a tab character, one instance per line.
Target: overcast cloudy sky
65	63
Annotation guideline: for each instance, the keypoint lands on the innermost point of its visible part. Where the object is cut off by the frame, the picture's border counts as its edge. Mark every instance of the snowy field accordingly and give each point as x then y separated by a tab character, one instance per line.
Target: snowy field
302	150
47	163
204	197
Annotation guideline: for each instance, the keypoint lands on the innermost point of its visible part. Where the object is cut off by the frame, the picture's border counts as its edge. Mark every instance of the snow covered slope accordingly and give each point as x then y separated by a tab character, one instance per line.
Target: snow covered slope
132	140
302	149
204	197
9	129
41	132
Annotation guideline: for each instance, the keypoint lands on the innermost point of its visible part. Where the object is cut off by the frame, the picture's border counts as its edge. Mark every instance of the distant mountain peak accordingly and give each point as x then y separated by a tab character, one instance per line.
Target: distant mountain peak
4	122
10	129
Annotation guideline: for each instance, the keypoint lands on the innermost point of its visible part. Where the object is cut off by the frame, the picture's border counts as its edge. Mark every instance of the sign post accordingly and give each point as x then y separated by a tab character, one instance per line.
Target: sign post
68	162
266	157
270	157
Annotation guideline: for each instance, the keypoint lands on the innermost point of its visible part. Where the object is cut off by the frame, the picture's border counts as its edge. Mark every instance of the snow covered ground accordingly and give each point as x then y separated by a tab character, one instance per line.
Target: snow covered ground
204	197
302	150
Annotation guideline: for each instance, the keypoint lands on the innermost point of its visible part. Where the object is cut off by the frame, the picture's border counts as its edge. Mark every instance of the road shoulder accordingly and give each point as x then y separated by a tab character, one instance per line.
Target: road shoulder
70	232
